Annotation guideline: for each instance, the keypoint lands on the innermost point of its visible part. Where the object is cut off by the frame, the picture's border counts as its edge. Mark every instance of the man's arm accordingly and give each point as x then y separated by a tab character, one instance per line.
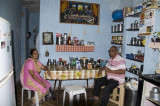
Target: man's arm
120	71
101	69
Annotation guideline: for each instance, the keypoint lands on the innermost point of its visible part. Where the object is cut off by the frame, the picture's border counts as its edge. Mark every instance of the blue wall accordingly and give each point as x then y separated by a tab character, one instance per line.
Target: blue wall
11	11
49	21
33	24
24	30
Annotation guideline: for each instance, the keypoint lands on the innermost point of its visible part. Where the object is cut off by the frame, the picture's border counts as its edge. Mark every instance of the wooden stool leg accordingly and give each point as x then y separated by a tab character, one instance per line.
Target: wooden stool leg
122	92
120	102
114	93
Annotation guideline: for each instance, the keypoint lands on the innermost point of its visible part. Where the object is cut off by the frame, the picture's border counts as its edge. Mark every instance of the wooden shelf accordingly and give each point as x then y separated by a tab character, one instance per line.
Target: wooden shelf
155	45
132	29
135	60
144	34
153	101
73	48
136	45
120	20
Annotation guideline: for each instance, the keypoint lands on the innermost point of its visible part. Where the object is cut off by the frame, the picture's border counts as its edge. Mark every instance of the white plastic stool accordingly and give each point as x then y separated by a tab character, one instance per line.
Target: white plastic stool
29	96
74	90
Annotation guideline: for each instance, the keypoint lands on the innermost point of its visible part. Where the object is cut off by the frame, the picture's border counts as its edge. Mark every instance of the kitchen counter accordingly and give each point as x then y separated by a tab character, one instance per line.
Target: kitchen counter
152	78
150	81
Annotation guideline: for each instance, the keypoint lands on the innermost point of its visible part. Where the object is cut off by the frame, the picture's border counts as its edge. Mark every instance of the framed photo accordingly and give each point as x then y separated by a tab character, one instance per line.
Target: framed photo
79	12
47	38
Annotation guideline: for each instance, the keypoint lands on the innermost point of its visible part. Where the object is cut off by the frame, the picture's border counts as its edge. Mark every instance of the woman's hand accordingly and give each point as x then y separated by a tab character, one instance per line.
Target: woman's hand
44	85
49	73
45	68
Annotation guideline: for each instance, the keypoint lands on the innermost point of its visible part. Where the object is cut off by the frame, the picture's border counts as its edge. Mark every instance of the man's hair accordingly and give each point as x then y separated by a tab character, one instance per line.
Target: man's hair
115	48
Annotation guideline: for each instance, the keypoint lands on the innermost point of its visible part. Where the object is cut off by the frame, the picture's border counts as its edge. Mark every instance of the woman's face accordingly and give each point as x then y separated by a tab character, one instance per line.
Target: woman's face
35	54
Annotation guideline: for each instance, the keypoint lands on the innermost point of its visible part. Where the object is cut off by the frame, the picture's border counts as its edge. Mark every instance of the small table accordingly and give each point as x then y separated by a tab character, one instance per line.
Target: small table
60	76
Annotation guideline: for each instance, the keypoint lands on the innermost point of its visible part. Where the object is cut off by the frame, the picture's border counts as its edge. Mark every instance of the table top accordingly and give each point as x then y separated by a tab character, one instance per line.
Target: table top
73	74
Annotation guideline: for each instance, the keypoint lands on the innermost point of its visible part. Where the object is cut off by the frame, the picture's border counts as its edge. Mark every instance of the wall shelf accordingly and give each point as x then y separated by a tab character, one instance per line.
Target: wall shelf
120	20
136	45
144	34
155	45
73	48
116	44
118	32
135	60
132	29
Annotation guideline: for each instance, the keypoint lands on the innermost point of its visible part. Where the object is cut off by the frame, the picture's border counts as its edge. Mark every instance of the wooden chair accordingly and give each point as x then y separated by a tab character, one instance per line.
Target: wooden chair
117	96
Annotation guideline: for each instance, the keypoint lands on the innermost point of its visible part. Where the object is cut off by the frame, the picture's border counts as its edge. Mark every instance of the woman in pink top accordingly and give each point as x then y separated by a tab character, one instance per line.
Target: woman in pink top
30	76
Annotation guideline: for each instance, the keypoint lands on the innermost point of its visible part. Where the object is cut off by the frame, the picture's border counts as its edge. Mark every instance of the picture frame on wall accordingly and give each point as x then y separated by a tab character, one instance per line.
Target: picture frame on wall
47	38
79	12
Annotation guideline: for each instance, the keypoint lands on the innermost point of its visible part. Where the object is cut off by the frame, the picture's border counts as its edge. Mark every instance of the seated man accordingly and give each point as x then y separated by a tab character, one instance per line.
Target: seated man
115	69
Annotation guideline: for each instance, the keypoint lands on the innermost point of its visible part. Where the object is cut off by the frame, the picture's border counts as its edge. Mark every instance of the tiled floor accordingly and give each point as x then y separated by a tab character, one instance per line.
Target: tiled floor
54	103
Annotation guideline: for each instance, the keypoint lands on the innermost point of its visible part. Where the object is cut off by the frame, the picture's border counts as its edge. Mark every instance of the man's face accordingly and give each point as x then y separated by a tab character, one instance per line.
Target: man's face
112	52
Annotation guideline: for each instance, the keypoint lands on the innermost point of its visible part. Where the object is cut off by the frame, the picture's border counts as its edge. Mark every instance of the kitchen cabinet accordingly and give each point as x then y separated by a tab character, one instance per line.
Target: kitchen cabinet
146	100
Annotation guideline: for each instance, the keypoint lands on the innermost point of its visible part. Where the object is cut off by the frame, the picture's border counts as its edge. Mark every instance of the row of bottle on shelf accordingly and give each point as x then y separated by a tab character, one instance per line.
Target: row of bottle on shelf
139	56
83	62
134	69
66	40
117	28
117	39
137	41
134	25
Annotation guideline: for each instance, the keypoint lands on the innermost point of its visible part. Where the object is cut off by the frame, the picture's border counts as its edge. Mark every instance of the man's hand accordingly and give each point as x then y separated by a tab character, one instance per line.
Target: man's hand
108	70
99	72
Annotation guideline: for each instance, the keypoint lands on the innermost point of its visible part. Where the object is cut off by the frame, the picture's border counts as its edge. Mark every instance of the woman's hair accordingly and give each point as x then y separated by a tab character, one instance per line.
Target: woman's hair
32	50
